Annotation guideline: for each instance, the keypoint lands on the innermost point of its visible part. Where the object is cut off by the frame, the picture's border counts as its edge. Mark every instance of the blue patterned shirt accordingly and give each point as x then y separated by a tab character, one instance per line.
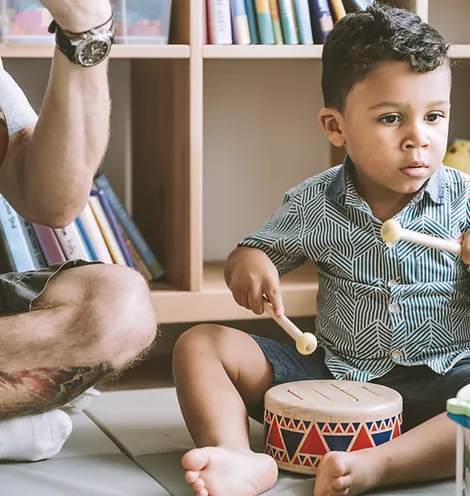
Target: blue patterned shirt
378	305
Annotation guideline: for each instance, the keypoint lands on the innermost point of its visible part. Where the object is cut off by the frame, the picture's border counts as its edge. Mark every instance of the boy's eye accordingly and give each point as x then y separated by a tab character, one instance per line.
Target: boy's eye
434	117
390	119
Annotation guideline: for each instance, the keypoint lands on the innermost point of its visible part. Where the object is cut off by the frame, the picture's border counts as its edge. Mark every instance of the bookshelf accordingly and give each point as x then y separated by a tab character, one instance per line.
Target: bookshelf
205	140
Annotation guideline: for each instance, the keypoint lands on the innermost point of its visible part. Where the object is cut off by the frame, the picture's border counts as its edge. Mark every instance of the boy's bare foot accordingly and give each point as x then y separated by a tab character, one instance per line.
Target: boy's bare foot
346	474
214	471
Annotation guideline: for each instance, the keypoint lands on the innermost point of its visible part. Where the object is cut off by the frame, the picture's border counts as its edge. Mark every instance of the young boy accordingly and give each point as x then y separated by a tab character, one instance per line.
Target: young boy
398	316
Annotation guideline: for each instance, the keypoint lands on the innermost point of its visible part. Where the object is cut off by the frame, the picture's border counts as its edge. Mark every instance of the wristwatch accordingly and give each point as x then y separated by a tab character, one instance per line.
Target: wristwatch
88	48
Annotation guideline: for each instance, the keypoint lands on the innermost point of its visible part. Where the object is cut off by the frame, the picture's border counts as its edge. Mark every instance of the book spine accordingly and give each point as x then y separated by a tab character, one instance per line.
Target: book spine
129	226
265	22
72	243
250	13
34	247
241	30
96	236
108	234
304	21
112	222
288	22
337	9
16	239
49	243
322	20
220	25
86	238
276	20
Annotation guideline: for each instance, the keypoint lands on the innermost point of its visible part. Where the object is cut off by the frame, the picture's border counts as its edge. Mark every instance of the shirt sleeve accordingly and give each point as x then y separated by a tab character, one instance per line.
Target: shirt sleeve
15	106
280	237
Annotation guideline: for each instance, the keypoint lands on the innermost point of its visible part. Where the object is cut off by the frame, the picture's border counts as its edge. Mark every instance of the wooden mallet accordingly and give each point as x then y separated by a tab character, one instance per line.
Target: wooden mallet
305	342
392	232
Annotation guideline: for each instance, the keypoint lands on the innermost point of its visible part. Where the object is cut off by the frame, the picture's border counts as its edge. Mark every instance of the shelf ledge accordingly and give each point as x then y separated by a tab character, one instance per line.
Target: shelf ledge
215	302
117	52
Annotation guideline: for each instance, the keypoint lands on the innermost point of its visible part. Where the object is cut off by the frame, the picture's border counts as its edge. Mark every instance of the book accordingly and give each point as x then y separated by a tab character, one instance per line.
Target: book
265	22
219	22
49	244
304	22
252	24
129	226
322	21
286	9
72	242
16	238
337	9
241	30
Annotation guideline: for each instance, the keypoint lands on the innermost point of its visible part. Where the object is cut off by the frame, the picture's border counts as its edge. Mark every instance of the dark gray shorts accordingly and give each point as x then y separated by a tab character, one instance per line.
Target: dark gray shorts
424	392
18	290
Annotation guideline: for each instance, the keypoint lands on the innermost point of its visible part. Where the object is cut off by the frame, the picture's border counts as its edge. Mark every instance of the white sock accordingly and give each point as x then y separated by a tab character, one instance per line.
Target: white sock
35	437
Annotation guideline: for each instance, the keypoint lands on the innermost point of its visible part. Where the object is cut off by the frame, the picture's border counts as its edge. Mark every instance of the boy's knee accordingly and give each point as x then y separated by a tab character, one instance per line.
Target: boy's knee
202	337
120	311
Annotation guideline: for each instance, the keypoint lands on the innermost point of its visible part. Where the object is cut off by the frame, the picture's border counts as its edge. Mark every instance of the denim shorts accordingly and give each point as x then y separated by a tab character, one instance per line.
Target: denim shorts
18	290
424	392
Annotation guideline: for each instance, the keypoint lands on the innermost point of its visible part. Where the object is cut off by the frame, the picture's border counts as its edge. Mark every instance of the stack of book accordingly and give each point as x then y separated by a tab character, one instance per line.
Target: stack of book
271	22
103	231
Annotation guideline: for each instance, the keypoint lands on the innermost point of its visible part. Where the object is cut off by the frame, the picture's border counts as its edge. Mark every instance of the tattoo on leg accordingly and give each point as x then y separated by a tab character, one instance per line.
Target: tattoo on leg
34	391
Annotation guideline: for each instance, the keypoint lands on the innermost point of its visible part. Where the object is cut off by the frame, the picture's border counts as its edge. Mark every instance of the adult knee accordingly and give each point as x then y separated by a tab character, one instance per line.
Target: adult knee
121	315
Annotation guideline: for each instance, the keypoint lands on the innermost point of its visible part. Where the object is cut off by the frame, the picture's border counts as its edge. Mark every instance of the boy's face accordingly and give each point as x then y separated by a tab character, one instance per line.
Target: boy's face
394	127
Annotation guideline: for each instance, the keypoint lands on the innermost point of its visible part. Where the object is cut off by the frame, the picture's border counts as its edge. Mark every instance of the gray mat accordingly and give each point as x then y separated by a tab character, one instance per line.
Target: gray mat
157	424
103	475
166	469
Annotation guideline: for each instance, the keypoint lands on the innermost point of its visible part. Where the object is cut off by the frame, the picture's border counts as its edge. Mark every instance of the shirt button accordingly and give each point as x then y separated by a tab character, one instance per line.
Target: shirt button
393	308
392	283
396	354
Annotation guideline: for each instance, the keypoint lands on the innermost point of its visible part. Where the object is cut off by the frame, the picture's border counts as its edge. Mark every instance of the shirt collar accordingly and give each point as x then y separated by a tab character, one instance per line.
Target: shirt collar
342	185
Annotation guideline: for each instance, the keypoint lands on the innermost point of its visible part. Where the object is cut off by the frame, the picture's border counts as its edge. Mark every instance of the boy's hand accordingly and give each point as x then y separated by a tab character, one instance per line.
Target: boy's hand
252	275
78	15
465	240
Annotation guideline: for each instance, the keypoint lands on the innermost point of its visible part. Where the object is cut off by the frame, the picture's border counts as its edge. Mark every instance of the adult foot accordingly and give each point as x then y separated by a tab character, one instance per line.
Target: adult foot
346	474
214	471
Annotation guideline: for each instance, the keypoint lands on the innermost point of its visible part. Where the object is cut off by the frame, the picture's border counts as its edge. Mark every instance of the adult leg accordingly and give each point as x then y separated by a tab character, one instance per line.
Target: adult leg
88	323
419	454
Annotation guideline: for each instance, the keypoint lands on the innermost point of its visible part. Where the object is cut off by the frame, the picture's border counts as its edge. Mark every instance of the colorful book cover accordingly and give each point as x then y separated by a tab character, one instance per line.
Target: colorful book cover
304	22
265	22
241	30
286	10
49	243
252	24
322	21
130	227
276	19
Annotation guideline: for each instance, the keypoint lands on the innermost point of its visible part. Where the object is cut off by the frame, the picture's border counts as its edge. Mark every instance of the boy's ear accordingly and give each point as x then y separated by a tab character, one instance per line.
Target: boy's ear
331	123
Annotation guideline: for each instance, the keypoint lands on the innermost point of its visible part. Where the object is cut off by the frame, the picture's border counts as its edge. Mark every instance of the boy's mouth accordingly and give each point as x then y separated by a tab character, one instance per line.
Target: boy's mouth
416	168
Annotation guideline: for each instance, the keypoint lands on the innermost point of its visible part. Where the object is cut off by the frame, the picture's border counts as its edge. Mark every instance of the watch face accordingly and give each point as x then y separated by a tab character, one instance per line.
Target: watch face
94	50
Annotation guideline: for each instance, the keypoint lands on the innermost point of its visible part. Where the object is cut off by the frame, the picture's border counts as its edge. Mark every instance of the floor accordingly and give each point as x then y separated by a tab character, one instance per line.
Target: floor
129	442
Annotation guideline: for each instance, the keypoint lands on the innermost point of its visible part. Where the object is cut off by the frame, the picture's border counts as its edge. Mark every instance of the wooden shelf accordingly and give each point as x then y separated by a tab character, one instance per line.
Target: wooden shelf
460	51
117	52
289	51
262	51
215	302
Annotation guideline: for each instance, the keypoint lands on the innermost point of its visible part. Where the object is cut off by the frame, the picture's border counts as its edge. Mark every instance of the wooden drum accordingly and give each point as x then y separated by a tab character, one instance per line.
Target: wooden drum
305	420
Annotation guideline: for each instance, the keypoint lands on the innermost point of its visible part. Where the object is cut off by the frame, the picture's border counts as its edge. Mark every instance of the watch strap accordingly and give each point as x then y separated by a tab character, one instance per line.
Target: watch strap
63	38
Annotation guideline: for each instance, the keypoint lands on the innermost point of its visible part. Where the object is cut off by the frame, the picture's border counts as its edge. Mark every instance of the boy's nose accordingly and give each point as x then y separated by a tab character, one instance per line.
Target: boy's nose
416	137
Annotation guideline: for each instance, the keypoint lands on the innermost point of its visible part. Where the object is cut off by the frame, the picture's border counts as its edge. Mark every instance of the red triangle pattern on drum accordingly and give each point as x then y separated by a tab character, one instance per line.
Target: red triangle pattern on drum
313	443
396	429
350	429
362	440
275	438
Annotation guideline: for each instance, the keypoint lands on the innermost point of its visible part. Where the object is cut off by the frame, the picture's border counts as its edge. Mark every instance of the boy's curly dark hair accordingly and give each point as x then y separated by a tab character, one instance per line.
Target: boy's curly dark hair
361	40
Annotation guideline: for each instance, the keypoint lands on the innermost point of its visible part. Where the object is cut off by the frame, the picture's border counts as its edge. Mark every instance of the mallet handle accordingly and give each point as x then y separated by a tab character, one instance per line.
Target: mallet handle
288	326
430	241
